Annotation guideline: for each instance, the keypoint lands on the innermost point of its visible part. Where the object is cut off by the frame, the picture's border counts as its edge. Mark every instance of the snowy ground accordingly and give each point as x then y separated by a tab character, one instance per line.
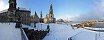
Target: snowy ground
63	32
57	32
89	35
9	32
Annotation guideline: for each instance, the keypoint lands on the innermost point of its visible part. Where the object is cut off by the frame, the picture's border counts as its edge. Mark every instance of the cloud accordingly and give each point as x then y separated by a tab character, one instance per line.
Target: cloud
96	14
4	5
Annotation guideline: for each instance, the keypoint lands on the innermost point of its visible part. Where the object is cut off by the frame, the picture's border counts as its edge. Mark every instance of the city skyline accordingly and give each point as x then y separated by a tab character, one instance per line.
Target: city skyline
61	8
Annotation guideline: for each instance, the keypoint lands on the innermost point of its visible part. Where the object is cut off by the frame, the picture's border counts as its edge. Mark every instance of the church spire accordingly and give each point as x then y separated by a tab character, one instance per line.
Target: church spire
41	15
35	15
51	9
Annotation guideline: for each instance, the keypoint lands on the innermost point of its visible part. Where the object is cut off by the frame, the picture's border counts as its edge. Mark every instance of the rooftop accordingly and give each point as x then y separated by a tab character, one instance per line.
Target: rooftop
4	11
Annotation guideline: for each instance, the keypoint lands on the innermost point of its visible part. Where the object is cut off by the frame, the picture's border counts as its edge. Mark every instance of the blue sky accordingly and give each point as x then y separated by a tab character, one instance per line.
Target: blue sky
62	8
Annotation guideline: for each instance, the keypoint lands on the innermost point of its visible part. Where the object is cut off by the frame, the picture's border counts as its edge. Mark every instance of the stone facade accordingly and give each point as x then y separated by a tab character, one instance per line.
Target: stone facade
48	19
41	17
25	16
50	16
13	13
36	18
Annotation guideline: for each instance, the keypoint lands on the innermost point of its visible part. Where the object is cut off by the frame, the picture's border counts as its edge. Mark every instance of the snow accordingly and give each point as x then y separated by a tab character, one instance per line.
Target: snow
57	32
85	36
9	32
94	28
63	32
89	35
39	26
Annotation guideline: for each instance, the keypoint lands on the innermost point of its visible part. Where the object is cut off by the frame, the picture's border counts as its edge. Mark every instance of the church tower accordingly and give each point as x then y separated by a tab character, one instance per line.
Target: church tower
41	15
50	16
12	10
36	18
12	4
51	9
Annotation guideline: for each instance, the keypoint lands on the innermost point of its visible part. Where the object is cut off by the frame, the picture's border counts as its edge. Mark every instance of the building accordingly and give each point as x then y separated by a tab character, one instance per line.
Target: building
24	14
36	18
60	21
12	13
48	19
50	16
41	18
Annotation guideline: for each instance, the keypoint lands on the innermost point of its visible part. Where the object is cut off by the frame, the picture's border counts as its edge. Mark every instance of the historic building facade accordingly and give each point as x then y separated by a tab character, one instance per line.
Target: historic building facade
13	13
48	19
36	18
41	17
50	16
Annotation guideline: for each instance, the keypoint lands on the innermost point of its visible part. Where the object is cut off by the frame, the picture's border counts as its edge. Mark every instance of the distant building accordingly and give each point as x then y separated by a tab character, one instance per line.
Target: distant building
13	13
36	18
41	18
60	21
48	19
50	16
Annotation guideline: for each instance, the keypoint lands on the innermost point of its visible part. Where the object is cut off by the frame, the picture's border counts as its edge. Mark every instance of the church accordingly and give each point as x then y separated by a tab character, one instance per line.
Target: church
48	19
13	13
50	16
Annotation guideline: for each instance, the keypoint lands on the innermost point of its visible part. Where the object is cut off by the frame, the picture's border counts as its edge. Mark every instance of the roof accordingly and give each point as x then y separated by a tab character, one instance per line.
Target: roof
20	9
24	9
4	11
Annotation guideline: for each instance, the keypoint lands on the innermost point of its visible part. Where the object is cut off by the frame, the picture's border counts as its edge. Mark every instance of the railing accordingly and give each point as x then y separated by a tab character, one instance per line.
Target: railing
23	35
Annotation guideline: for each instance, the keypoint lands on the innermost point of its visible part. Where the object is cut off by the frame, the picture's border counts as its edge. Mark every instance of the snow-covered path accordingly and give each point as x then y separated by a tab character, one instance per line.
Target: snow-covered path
9	32
60	32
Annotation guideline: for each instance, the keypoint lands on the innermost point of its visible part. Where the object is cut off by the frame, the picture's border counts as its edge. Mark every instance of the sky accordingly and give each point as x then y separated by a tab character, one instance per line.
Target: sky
71	9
